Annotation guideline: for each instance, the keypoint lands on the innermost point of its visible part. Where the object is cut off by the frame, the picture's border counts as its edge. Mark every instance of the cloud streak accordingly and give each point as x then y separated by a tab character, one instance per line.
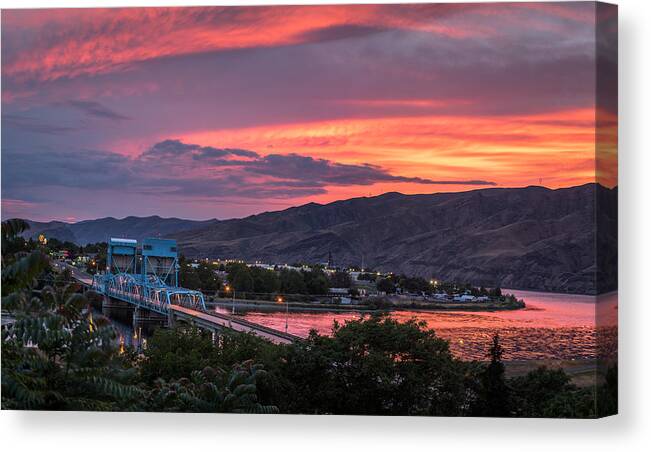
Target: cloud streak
294	169
193	109
73	43
96	109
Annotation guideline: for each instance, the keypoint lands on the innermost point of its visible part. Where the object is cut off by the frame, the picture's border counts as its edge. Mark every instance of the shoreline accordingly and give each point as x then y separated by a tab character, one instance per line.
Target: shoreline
253	305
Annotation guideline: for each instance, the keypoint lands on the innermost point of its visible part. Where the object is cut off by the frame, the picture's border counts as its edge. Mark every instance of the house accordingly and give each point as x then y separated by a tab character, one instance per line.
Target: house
464	298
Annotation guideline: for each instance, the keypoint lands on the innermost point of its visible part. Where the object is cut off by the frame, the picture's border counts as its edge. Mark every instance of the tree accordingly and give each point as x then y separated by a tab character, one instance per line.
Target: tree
376	366
414	285
340	279
292	282
242	280
265	281
536	394
316	281
58	356
211	391
172	354
386	285
367	277
189	278
495	292
495	394
207	277
12	242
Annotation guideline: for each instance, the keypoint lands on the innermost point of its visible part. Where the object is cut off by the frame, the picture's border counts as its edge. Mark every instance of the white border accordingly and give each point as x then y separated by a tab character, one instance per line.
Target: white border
628	431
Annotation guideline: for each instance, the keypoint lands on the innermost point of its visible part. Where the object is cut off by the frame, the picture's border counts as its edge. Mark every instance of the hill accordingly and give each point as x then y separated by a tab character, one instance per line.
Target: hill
99	230
522	238
528	238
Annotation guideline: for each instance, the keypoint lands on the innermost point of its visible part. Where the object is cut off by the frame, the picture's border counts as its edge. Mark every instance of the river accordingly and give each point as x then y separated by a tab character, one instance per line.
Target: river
552	326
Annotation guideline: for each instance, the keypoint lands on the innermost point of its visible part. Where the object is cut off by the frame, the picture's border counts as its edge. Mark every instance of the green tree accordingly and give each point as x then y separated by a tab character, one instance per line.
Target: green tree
386	285
207	277
211	391
495	392
242	280
57	356
173	354
265	281
376	366
316	281
292	282
537	393
189	278
340	279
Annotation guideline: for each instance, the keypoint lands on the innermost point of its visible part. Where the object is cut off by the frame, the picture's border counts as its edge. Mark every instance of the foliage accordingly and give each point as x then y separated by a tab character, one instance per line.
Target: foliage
316	281
376	366
340	279
56	356
414	284
172	354
291	281
12	242
21	273
386	285
211	391
367	277
265	281
495	392
200	276
537	392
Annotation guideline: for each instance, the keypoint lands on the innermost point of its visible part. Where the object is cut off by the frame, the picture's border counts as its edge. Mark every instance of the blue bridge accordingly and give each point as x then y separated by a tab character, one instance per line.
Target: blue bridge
147	279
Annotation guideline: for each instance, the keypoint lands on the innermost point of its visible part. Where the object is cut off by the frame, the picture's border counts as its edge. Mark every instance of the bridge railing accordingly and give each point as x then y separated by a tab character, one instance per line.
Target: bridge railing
149	292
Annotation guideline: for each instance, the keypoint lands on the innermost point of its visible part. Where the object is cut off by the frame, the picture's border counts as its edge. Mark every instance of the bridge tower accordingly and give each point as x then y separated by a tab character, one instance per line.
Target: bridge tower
160	261
121	256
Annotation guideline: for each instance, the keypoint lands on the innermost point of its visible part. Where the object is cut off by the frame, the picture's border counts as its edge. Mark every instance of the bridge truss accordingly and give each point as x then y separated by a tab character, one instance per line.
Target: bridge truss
155	285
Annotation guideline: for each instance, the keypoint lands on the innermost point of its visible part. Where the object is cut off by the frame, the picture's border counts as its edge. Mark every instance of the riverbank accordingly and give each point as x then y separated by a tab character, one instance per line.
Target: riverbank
379	305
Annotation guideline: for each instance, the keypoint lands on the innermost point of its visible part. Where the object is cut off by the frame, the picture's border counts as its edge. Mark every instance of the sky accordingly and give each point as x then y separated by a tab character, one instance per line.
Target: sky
221	112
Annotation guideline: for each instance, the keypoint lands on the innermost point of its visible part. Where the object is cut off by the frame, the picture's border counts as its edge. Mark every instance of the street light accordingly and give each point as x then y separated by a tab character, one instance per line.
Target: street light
227	288
280	300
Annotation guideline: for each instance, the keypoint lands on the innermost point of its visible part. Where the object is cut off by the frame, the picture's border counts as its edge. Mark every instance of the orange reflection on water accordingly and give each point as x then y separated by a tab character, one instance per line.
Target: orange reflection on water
552	326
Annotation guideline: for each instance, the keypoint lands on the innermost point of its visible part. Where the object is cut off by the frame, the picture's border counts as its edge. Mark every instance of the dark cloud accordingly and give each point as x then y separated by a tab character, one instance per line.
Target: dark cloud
321	172
34	125
305	171
337	32
97	110
176	148
257	177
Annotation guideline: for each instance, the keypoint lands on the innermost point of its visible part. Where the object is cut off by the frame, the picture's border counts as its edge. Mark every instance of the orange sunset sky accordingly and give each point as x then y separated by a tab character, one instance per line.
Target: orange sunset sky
228	111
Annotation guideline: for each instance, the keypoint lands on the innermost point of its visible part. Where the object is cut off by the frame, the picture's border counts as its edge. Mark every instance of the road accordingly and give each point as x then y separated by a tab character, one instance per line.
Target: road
209	320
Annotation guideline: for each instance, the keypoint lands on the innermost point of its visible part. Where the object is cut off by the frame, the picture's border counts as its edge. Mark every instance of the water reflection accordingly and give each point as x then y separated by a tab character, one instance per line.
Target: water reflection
552	326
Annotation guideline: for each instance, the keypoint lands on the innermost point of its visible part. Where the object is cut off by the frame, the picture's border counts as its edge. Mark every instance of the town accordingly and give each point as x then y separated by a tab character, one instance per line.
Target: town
323	284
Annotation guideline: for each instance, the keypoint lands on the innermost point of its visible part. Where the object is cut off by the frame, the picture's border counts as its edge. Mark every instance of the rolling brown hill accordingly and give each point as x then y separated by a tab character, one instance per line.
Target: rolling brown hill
527	238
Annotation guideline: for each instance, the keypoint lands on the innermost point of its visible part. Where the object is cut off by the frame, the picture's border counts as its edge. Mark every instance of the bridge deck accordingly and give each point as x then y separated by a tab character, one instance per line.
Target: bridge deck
236	324
208	319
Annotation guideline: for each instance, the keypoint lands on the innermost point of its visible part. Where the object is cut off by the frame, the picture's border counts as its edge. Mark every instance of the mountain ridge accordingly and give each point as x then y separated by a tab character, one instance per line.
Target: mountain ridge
523	238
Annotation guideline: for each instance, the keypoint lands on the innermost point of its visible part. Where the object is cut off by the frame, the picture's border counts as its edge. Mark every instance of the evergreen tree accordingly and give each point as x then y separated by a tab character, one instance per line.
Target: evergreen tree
496	394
